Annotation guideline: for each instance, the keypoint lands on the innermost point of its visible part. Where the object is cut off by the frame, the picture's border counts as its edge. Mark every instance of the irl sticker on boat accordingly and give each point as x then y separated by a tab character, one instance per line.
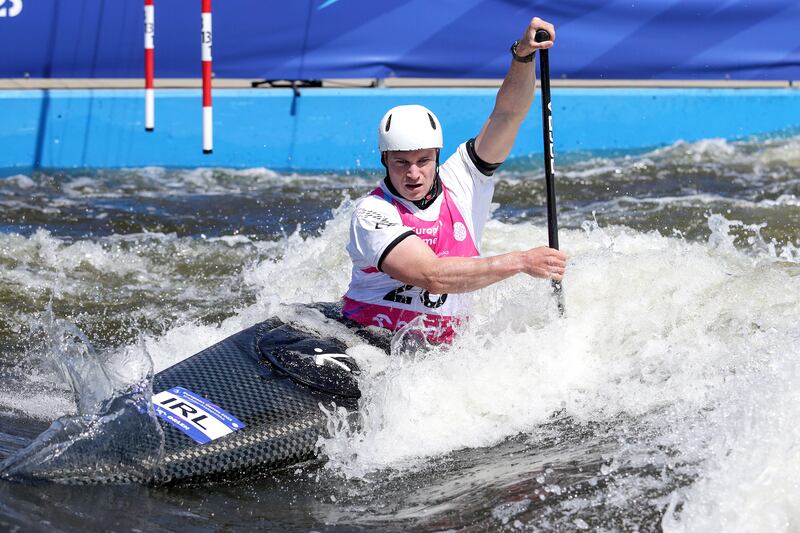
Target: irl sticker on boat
200	419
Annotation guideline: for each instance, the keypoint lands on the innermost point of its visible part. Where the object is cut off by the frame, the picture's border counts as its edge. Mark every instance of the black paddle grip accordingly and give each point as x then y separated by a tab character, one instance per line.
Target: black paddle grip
541	36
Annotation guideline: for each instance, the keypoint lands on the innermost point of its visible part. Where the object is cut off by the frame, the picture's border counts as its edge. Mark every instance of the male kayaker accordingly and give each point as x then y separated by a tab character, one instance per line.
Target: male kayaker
415	240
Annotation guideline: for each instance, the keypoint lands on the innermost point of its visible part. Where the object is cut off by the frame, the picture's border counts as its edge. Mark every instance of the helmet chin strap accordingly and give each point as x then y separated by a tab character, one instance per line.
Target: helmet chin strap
432	194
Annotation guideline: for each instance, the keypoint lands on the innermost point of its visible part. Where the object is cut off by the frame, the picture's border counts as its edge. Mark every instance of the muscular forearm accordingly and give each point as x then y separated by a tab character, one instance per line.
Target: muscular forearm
447	275
413	262
513	101
516	93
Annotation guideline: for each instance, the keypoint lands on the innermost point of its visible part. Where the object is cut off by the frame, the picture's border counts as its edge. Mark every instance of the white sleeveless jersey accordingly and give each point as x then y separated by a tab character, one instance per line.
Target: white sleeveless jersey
377	225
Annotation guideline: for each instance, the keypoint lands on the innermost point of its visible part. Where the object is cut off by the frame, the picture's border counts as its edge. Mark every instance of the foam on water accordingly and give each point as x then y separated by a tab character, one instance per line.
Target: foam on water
694	341
38	396
688	349
149	181
310	269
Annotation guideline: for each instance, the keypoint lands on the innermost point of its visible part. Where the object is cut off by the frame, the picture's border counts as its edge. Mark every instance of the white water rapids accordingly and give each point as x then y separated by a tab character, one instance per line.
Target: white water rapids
687	350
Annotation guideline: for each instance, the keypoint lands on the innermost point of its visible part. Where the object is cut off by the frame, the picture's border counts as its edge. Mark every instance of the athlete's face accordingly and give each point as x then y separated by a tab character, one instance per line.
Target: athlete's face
412	172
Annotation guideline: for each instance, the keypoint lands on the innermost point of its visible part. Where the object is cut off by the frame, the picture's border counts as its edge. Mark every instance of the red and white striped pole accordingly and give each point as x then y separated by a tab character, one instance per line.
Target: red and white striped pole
149	40
205	40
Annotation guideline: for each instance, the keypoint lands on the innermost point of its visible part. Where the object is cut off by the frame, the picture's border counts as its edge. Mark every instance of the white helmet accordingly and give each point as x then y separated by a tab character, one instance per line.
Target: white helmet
409	127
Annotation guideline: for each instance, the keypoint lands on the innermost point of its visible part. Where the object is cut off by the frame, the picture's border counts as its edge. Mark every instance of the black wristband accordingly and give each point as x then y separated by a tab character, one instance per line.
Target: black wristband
522	59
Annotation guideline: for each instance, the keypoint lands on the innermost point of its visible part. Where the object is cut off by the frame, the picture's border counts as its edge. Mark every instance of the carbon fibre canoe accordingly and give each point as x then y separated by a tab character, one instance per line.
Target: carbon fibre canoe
251	402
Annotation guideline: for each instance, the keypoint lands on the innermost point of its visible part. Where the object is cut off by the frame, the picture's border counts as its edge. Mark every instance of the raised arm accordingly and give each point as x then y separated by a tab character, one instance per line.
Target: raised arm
514	98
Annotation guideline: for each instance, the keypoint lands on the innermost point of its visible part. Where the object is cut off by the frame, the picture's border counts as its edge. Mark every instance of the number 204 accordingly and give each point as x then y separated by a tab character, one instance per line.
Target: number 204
401	295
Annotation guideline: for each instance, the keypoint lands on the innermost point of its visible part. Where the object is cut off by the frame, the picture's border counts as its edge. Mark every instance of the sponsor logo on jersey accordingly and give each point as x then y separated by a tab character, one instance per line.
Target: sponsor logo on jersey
429	236
379	219
459	231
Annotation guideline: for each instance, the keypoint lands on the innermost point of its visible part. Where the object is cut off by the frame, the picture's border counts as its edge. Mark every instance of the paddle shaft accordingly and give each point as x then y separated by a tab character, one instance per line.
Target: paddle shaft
549	166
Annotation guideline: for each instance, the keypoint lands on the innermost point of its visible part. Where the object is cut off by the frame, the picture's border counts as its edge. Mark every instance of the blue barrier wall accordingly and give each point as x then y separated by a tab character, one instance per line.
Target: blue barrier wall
335	129
313	39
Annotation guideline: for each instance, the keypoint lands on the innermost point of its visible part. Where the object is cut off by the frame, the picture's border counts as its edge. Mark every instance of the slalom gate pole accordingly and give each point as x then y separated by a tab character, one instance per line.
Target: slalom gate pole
149	72
549	165
205	43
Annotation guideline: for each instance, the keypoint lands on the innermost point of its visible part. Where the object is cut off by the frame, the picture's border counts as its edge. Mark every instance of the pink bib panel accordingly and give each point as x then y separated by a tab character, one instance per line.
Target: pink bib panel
447	236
